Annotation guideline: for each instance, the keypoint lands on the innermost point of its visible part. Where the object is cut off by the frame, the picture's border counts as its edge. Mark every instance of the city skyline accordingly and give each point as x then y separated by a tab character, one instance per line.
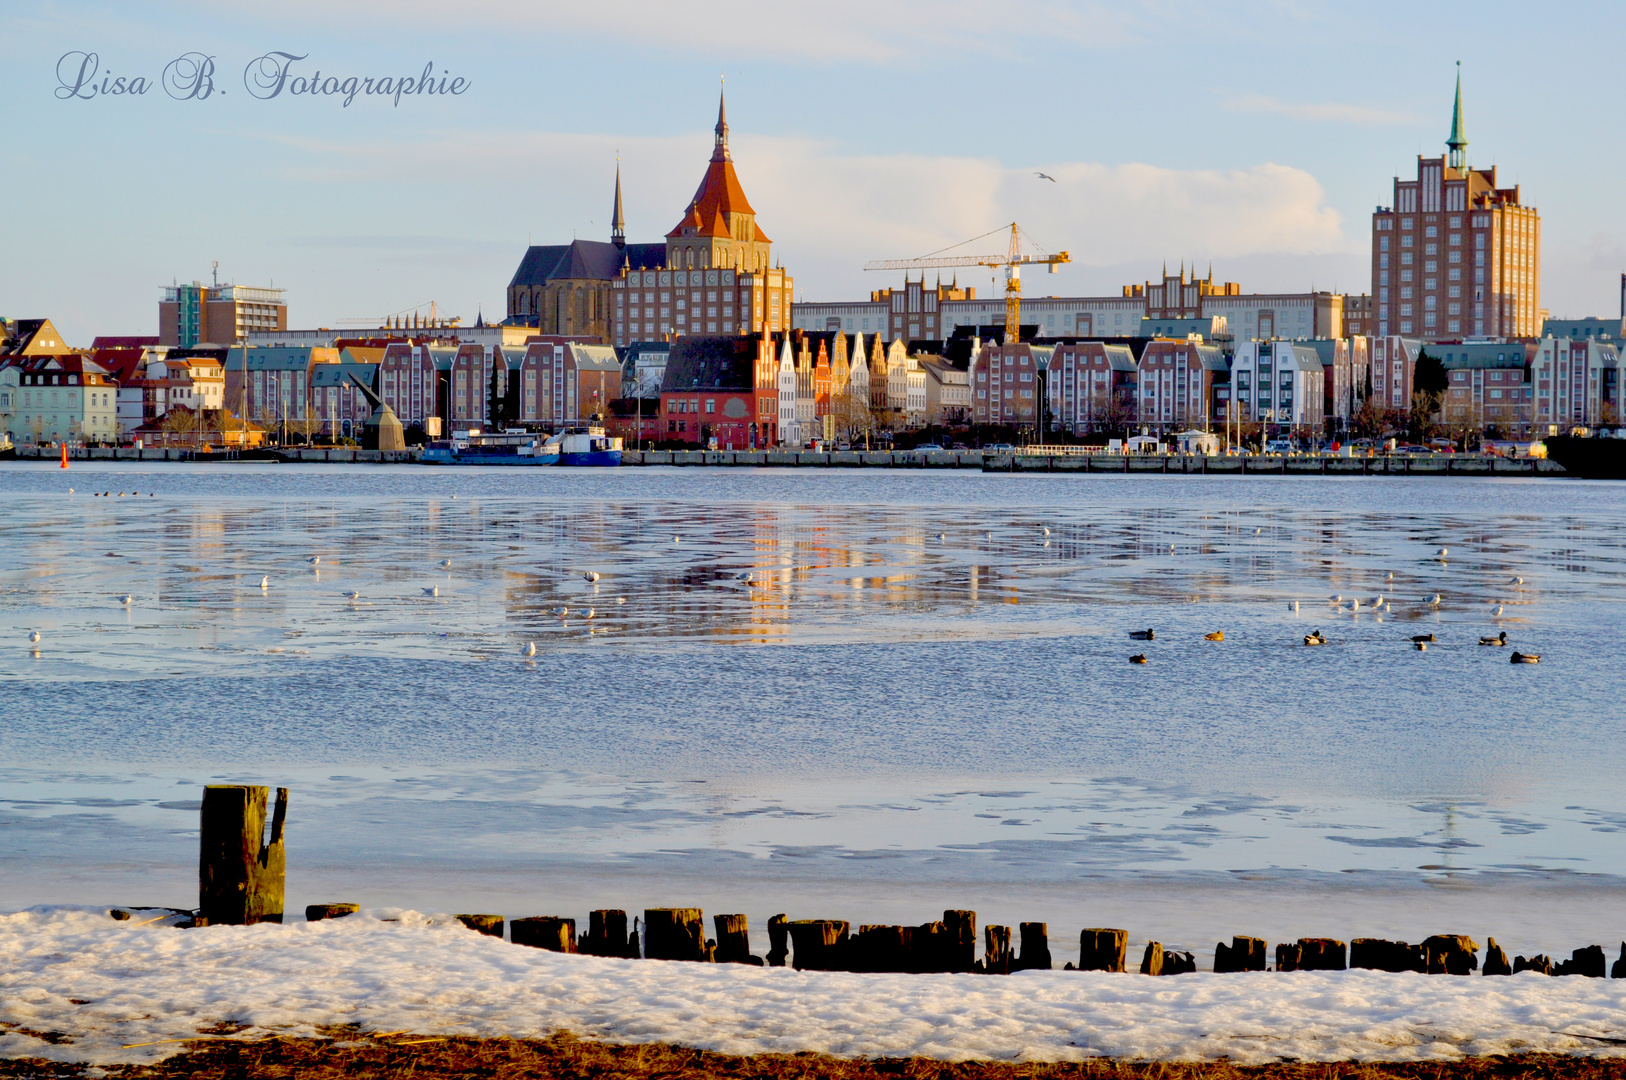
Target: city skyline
360	212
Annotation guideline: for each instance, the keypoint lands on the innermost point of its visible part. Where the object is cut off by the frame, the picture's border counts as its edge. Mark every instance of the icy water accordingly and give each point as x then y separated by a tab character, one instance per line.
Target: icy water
860	695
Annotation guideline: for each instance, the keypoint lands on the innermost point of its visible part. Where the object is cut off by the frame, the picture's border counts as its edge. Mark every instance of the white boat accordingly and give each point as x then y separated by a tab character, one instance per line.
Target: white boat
587	444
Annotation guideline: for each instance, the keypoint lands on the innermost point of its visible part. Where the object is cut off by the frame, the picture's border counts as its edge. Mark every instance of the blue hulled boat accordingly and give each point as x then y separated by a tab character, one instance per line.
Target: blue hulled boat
507	448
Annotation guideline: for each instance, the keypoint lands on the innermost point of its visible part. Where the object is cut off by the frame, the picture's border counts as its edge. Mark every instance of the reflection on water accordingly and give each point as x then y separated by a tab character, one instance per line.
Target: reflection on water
842	676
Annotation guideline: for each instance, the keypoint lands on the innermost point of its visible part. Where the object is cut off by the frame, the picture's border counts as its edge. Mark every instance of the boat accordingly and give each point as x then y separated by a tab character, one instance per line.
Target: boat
474	447
1591	457
586	444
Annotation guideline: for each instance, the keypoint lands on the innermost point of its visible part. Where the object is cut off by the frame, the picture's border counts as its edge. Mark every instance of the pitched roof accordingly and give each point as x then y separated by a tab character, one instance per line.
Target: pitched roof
711	363
592	260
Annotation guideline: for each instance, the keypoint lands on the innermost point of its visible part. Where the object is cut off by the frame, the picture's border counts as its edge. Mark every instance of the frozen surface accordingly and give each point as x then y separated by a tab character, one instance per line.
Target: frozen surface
873	695
108	992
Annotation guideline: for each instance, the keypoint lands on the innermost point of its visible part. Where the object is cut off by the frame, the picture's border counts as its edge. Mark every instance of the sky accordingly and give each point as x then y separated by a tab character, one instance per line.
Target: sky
1255	138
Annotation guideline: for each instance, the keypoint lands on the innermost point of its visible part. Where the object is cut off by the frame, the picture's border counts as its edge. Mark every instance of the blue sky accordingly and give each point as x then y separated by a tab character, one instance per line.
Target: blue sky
1256	137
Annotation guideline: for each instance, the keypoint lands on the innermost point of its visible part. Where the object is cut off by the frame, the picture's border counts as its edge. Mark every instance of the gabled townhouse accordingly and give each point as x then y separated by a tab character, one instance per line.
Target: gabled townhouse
1009	376
55	397
948	391
1393	368
723	388
785	380
1176	384
1279	383
1092	386
1344	363
1487	384
563	380
1576	382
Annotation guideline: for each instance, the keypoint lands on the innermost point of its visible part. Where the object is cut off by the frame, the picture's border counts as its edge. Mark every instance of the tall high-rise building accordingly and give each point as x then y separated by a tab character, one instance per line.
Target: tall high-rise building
1455	255
199	314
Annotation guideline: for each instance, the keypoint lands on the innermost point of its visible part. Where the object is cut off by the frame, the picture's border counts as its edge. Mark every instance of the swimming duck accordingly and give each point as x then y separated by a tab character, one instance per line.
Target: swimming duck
1499	639
1217	635
1138	658
1314	638
1525	658
1420	638
1420	646
1142	635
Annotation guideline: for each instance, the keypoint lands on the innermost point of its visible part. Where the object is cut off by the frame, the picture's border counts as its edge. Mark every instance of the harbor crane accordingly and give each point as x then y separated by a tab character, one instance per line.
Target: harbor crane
1012	261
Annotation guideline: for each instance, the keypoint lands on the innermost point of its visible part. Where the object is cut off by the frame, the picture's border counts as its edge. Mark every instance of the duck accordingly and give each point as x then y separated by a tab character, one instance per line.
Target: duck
1314	637
1499	639
1143	635
590	576
1420	646
433	590
1217	635
1422	638
1525	658
529	649
1138	658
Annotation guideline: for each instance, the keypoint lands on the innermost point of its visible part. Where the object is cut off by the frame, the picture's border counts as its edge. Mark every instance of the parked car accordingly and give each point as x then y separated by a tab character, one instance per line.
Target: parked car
1000	447
928	448
1279	446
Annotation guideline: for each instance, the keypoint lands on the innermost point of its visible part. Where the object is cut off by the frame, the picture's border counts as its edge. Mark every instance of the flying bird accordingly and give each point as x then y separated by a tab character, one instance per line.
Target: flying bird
1045	176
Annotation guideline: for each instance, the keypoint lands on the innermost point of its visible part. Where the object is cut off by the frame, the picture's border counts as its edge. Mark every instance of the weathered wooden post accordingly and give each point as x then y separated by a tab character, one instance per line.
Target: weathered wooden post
674	934
996	950
549	932
1287	957
1617	970
1539	962
1496	959
778	941
962	939
878	948
489	925
733	940
820	944
1243	954
606	933
241	876
1151	961
1321	954
1456	954
1589	961
319	912
1102	950
1035	947
928	948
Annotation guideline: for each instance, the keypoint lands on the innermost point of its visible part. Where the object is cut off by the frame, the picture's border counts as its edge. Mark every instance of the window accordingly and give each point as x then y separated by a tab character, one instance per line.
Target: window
1405	241
1027	376
1431	249
1383	243
1405	258
711	405
1431	231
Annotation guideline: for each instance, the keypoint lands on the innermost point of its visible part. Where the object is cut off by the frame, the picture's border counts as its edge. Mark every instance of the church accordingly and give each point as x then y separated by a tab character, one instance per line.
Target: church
714	275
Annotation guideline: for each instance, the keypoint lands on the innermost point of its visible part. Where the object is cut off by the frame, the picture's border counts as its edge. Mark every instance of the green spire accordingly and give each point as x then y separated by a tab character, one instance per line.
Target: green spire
1458	142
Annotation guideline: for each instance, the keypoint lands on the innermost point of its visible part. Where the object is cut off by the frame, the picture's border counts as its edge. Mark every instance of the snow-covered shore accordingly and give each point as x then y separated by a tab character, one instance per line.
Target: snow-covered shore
98	987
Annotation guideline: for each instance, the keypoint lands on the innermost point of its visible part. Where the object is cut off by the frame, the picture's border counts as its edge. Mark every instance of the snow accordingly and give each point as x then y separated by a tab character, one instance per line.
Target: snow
116	989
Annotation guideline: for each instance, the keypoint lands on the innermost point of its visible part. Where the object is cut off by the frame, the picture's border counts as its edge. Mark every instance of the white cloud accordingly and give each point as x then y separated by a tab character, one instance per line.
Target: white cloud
1332	112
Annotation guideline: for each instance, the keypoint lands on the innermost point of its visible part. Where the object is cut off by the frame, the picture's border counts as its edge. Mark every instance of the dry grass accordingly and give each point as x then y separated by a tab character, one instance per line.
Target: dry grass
418	1057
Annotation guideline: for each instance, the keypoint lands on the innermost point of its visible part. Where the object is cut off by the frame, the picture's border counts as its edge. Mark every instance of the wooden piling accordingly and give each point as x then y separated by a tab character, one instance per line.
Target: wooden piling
880	949
1178	963
1378	954
1617	970
1151	961
551	932
996	950
674	934
733	941
778	941
928	948
1457	954
241	876
490	925
962	939
1242	954
1495	959
1035	947
606	934
319	912
1102	950
1321	954
820	944
1287	957
1538	962
1589	961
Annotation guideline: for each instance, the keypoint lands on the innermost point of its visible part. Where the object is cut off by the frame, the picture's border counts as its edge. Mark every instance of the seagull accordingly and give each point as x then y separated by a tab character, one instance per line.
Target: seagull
433	590
125	599
591	575
1443	552
34	636
1377	601
1045	530
746	576
1336	598
588	614
1293	606
942	536
445	564
1496	613
1434	601
1517	581
677	540
1354	605
1045	176
265	582
314	559
561	611
1257	531
1391	576
351	594
621	599
70	491
529	649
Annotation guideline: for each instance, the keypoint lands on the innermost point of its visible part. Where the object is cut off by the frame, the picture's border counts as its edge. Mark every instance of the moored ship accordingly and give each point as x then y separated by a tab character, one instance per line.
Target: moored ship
587	444
1590	457
474	447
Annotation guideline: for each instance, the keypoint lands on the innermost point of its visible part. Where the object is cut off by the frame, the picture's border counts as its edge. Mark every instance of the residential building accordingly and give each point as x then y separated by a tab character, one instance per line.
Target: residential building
199	314
1175	384
1576	382
1488	384
1600	329
1393	367
270	385
56	397
21	338
1344	364
1010	376
1360	315
408	383
790	428
1092	386
948	392
723	388
1454	254
191	377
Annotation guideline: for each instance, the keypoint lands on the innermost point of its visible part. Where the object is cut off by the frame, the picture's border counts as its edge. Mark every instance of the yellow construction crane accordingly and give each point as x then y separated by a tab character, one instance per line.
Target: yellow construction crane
1012	261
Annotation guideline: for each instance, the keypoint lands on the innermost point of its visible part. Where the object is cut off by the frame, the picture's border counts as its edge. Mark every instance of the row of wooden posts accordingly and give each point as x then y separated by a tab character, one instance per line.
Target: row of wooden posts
242	875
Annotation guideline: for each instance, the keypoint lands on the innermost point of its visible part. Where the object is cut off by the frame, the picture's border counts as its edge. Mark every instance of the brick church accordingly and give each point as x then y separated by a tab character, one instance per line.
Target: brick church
714	274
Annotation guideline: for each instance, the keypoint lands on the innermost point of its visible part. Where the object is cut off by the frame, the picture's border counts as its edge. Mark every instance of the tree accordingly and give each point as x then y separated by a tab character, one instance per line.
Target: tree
1367	423
1429	382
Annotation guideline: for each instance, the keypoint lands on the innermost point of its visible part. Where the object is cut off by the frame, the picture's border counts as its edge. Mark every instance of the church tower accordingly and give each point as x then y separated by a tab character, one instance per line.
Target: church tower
719	229
618	220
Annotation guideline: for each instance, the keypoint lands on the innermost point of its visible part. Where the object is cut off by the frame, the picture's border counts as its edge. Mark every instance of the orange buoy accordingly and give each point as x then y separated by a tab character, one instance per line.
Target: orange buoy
64	455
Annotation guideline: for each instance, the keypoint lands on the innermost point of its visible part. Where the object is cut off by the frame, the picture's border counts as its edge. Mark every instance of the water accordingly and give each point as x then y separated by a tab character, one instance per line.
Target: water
855	694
